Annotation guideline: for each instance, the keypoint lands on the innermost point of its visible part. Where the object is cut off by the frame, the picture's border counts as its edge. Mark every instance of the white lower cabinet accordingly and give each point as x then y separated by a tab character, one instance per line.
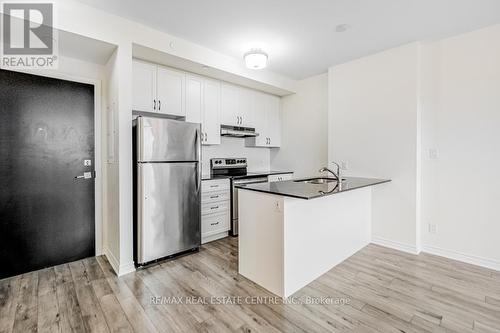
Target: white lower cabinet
215	209
279	178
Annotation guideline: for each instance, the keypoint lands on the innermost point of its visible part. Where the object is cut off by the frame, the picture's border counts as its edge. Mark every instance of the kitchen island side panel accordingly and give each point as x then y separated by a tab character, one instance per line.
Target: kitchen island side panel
260	243
321	233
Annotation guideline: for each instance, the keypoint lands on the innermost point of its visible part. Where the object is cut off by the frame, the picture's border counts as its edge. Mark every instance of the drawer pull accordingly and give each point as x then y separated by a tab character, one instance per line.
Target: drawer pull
214	186
214	197
214	207
214	223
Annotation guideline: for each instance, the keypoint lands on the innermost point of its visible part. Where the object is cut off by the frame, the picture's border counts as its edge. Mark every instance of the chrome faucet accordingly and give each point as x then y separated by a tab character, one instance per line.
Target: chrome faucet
335	174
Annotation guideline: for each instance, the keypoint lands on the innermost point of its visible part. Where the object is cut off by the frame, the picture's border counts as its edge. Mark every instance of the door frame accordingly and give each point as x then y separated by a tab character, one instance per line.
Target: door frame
99	173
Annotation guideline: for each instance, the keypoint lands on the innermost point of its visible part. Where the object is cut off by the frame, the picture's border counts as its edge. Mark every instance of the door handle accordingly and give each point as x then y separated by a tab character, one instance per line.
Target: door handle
86	175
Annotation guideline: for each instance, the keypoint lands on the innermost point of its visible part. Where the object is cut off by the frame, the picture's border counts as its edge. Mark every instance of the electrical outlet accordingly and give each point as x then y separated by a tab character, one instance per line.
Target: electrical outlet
433	153
432	228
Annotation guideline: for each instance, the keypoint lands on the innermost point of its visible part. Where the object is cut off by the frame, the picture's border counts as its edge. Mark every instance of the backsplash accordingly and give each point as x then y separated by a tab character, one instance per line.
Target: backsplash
258	159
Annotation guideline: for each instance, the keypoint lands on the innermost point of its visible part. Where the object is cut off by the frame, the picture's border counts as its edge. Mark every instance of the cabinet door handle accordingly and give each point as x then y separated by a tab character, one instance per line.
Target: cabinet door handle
214	223
206	137
215	207
154	104
159	105
214	197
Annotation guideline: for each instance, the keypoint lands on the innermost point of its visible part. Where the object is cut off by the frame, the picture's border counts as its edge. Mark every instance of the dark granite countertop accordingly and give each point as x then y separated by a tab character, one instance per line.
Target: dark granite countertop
301	190
250	174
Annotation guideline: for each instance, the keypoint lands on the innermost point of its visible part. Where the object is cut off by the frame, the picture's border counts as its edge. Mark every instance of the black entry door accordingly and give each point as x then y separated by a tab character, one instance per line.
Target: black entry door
46	134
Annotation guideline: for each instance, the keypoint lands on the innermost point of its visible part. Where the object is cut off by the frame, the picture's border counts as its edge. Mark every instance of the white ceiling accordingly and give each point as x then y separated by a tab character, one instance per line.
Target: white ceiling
299	35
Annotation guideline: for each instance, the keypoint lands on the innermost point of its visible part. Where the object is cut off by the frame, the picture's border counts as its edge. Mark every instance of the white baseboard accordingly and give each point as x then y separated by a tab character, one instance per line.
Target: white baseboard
467	258
395	245
119	269
210	238
126	268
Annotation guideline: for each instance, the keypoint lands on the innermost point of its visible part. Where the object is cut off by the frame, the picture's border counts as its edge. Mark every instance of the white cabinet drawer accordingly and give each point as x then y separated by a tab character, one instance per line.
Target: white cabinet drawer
280	177
215	197
214	185
214	224
214	208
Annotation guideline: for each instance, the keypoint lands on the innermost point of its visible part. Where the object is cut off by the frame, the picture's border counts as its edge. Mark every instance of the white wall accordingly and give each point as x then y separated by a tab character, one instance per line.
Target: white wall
427	116
258	159
111	192
304	143
373	112
461	119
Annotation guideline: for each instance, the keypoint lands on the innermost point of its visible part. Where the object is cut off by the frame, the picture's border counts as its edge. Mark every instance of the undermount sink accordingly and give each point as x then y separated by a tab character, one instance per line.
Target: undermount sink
319	181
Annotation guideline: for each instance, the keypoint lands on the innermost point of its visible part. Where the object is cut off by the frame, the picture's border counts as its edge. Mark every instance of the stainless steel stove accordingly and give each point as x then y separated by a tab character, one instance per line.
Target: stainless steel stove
236	170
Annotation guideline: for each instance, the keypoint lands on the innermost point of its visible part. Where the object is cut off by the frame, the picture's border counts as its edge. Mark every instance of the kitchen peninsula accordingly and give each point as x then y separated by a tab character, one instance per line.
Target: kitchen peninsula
294	231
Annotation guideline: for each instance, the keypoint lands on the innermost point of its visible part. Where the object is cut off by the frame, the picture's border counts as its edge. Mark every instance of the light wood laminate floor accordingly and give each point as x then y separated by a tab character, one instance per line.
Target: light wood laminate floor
382	290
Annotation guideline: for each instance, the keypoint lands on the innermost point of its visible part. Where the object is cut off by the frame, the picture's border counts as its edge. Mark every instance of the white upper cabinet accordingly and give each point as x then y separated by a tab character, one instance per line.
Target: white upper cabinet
209	102
237	106
260	112
230	105
194	98
158	89
274	121
144	86
246	107
211	112
267	121
203	106
170	91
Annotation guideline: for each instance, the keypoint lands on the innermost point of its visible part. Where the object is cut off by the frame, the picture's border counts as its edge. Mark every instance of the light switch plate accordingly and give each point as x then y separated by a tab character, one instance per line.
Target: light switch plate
87	162
433	153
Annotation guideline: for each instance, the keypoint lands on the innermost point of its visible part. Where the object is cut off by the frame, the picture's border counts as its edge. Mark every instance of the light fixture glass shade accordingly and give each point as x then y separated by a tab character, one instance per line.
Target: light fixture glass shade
256	59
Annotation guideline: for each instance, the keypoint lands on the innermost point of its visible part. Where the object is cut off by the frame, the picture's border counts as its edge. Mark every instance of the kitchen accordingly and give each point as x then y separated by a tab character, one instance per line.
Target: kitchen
174	174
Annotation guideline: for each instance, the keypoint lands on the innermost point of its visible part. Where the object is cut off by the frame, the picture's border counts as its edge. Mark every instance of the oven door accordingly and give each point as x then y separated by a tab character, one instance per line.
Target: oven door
234	199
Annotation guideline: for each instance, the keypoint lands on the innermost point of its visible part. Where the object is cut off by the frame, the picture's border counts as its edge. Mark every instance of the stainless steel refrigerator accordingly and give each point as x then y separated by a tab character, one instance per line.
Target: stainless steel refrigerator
167	188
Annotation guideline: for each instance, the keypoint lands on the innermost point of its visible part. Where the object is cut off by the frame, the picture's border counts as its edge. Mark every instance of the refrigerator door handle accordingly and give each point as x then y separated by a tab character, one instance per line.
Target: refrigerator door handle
199	139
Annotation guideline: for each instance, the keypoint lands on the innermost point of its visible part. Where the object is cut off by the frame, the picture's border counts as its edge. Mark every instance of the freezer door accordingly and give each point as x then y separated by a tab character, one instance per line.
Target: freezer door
164	140
169	209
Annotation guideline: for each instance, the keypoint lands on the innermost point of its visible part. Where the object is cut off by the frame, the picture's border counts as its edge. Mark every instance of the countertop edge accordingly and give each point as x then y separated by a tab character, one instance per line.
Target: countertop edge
378	182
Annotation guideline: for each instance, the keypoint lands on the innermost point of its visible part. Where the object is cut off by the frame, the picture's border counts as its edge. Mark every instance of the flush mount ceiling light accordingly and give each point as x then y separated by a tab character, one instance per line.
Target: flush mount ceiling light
256	59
